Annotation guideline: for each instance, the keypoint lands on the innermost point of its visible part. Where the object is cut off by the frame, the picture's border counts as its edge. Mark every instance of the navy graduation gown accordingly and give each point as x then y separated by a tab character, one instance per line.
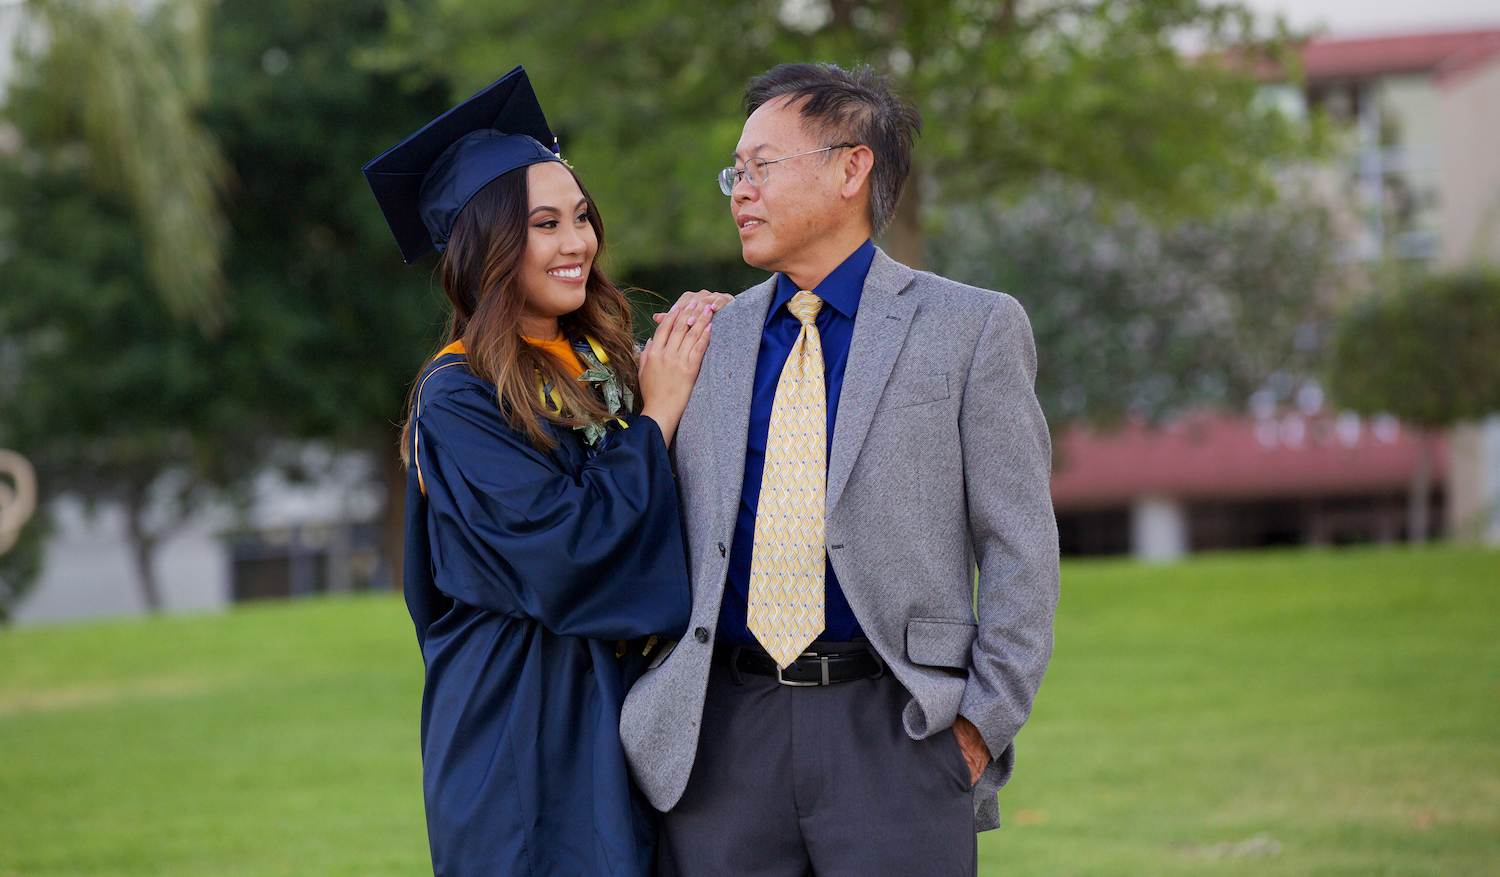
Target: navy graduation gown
524	569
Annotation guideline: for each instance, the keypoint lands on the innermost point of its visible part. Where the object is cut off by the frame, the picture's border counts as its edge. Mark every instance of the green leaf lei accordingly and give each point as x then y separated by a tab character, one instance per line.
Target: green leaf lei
618	399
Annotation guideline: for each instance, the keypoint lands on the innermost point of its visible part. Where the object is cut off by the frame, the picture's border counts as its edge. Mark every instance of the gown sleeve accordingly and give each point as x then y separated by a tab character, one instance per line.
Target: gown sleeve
598	555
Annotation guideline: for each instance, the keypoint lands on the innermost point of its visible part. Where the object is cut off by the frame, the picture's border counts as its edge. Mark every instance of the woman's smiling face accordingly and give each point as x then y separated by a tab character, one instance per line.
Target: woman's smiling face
560	248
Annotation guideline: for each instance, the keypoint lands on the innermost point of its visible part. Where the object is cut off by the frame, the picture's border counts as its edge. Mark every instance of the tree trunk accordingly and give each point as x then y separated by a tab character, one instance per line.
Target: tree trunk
903	240
393	516
1419	503
142	548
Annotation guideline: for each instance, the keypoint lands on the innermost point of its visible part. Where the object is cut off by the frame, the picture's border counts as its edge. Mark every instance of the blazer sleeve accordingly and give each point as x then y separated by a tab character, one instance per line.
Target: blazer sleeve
598	555
1007	458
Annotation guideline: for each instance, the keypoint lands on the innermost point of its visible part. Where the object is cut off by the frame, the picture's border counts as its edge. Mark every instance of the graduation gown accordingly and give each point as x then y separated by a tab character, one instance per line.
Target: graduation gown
524	570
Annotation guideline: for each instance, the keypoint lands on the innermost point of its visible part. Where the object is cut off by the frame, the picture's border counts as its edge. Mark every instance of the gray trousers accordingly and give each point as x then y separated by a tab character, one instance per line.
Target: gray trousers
819	782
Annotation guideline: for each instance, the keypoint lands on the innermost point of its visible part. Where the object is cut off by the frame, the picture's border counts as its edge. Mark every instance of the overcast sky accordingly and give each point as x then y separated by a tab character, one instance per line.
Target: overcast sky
1356	17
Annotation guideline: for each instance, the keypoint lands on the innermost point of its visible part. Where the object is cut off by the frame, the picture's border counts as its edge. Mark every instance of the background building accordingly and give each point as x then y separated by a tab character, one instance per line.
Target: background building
1212	482
1425	112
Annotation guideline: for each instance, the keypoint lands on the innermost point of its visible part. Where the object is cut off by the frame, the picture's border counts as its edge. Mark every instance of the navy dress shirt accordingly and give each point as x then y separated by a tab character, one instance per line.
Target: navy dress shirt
840	292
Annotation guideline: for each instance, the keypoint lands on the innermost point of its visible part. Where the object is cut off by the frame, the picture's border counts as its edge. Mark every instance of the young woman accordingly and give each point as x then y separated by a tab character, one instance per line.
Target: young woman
545	566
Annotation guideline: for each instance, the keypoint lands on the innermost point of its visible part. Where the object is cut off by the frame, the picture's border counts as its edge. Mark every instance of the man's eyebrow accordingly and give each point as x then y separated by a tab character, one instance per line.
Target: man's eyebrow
753	151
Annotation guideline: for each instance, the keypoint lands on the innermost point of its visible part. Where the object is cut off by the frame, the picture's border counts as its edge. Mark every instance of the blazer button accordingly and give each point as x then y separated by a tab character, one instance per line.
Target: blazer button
701	635
722	551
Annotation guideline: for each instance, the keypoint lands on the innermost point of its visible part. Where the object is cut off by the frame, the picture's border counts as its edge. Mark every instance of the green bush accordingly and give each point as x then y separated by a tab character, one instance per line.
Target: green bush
1429	355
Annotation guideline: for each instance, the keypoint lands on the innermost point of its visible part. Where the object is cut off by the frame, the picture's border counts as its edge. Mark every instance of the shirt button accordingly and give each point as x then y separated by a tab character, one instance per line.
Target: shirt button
701	635
722	551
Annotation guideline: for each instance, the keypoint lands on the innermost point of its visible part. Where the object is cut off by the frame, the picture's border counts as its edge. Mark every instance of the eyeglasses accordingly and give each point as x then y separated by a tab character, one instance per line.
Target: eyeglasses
757	170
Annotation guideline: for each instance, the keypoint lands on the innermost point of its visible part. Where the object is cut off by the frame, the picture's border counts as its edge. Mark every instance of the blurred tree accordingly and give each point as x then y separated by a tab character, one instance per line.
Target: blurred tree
21	566
646	97
1084	113
1134	318
1430	355
114	397
340	325
126	80
111	289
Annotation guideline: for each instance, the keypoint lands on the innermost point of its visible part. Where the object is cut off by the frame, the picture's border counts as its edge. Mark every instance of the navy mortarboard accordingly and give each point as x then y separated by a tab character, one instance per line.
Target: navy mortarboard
425	180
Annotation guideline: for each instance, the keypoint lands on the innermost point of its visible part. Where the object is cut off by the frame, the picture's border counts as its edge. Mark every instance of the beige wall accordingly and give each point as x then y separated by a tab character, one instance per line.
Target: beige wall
1473	500
1411	132
1469	114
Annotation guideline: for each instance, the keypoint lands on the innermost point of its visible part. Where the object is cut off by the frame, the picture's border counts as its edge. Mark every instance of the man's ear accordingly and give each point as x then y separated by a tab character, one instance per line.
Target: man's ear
856	165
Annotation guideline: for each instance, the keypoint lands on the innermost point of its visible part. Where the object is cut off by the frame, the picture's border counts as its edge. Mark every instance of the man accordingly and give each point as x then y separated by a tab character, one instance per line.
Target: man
863	440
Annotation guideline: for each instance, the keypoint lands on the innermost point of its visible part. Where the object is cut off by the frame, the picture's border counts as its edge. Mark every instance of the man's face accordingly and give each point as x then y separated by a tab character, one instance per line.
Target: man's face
783	222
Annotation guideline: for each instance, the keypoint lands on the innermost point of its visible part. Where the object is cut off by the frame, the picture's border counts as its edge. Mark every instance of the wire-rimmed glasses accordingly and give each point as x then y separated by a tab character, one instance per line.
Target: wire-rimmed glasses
757	171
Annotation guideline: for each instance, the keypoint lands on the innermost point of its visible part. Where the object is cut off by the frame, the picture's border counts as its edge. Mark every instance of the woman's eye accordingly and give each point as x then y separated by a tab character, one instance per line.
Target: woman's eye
547	224
582	217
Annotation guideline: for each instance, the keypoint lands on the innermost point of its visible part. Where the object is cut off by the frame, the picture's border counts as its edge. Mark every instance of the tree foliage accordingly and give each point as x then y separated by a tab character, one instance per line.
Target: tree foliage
111	295
336	326
1430	354
646	97
1135	318
114	397
126	81
21	566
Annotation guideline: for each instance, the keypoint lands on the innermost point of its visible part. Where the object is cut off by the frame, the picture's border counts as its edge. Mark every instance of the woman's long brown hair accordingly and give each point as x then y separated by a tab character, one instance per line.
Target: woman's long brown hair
480	273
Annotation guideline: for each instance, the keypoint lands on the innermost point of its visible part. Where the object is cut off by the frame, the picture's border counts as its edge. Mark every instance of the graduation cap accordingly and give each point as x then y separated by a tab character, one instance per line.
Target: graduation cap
423	182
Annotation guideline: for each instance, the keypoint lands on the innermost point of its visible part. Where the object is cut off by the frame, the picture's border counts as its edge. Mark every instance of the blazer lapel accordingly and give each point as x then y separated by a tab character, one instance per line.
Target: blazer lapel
879	331
737	331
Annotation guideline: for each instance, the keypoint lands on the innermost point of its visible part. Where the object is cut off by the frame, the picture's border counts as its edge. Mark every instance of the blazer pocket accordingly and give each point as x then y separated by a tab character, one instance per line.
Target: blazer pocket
906	392
663	649
940	642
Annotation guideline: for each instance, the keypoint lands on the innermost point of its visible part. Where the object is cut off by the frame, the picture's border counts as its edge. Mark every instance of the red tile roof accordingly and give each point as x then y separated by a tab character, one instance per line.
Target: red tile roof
1212	457
1443	54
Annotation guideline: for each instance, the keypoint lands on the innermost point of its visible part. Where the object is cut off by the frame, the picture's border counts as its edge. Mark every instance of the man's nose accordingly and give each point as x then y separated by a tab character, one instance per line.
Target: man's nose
743	190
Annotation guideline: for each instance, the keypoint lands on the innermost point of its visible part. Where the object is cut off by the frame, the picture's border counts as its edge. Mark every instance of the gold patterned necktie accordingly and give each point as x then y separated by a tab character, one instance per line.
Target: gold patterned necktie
785	606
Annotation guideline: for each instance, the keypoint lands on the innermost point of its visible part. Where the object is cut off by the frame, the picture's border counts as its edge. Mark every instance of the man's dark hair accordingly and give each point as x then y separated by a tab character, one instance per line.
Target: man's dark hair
850	106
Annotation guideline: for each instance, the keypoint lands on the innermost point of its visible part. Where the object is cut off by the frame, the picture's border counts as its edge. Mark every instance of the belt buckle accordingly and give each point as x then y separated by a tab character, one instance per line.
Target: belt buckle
822	658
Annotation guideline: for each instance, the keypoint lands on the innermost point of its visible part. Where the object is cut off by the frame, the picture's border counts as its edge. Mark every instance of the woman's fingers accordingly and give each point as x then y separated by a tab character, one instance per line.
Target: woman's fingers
680	322
664	329
700	345
704	302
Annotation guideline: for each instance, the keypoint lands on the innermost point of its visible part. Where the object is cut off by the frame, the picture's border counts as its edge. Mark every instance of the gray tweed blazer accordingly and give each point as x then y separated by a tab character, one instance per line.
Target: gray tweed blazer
939	466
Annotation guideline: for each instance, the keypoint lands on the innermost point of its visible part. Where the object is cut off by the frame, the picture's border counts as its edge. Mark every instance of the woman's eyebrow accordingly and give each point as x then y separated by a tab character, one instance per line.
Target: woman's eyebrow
582	202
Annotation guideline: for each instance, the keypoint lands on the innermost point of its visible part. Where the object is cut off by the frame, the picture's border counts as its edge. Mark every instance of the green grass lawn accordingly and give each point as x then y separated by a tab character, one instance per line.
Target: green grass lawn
1303	713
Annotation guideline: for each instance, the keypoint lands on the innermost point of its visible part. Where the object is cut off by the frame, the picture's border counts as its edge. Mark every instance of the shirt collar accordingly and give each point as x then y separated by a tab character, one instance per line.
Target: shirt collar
840	290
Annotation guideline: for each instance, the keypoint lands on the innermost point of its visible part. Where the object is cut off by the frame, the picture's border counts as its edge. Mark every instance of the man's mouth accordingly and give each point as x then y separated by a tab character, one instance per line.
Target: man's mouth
749	222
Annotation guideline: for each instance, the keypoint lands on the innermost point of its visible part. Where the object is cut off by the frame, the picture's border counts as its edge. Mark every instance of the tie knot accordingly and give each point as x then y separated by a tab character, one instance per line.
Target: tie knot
804	306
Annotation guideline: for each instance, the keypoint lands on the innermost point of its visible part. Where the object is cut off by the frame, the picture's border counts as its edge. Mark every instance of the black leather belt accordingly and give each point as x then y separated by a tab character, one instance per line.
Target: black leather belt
838	662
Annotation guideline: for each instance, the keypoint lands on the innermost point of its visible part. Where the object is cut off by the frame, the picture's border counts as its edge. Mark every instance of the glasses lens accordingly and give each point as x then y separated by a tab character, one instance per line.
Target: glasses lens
756	171
726	180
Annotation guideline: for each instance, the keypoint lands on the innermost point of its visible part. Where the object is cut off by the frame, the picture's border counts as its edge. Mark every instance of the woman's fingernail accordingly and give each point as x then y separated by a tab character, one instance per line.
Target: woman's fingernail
691	319
672	310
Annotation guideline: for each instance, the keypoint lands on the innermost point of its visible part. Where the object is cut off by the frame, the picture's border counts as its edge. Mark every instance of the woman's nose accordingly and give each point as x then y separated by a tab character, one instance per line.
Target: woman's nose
573	241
